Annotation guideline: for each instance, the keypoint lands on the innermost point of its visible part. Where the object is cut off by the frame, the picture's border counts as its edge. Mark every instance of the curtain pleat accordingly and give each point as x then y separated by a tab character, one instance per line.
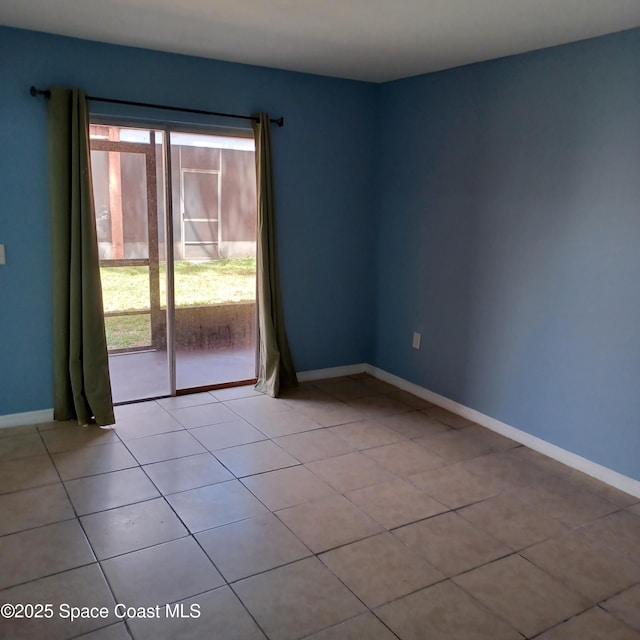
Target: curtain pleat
82	387
275	365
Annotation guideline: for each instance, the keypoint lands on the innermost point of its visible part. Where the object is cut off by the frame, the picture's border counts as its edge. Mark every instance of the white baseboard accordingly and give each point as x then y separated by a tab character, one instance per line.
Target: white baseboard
331	372
29	417
609	476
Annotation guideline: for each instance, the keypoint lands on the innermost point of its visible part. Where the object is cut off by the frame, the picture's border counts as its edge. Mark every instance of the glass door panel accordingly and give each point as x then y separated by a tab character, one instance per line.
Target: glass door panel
127	171
214	208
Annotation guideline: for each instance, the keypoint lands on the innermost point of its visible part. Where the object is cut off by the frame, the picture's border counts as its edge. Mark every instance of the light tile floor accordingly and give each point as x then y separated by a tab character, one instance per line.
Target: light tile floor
346	510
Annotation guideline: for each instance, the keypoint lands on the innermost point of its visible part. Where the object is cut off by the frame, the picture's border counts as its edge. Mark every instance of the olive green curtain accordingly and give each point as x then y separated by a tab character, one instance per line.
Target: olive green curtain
82	388
275	365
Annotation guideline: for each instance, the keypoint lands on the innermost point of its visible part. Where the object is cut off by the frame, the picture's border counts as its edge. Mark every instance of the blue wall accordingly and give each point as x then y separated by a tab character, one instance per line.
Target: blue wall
323	158
509	235
495	208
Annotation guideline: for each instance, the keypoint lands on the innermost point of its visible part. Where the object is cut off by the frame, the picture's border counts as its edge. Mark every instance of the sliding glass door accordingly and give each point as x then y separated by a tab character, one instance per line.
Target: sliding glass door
214	225
176	222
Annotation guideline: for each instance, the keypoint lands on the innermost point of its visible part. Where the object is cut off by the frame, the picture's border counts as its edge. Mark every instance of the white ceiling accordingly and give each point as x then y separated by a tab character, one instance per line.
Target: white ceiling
374	40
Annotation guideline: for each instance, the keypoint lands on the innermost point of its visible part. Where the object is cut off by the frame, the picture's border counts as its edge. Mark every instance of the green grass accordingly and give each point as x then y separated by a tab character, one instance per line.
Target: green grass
196	284
127	332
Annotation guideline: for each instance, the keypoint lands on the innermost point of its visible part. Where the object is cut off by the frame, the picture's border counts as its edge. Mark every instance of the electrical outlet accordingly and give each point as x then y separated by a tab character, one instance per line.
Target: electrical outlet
2	256
416	340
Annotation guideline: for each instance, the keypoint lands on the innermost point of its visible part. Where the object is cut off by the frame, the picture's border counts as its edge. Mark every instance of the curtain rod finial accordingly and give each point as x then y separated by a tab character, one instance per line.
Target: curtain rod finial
280	121
39	92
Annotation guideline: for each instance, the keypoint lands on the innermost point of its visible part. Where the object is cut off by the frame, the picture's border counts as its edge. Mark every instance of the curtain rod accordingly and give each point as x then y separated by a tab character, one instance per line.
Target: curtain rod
46	93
